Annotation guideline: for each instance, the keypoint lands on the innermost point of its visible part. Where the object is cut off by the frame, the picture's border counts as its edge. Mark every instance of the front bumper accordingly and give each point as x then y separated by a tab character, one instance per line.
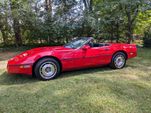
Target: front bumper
20	69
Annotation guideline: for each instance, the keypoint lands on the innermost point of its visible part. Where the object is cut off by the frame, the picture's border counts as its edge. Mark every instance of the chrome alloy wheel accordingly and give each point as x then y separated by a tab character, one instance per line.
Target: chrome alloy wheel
48	70
119	61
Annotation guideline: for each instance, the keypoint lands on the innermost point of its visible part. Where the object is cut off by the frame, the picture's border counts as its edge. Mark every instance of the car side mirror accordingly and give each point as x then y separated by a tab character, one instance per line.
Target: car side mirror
85	47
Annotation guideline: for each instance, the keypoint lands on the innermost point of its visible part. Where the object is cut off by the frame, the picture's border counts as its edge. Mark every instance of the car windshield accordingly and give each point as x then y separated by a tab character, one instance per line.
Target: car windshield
76	43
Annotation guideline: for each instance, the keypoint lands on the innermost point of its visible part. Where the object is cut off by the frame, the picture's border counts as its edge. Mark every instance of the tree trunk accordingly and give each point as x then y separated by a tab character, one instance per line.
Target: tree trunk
48	5
85	4
16	26
131	16
112	34
88	4
4	37
129	38
117	32
91	4
129	32
17	32
48	8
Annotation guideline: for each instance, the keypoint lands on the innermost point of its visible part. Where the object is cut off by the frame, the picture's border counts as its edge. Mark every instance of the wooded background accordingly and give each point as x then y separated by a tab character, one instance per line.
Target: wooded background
54	22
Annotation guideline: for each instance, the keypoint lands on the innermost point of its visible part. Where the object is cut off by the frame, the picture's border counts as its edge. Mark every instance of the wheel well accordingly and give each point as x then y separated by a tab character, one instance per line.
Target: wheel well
122	52
46	57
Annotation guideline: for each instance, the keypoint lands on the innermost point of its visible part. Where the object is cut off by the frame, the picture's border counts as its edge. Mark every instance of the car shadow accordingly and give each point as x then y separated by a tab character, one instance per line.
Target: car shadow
7	79
101	69
85	71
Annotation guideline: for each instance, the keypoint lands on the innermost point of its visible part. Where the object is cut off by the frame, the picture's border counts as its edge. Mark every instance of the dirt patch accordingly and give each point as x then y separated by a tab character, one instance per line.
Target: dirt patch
3	64
7	55
4	56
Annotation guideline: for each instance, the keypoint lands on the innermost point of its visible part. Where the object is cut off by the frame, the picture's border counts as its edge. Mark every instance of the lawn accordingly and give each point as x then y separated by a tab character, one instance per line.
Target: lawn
99	90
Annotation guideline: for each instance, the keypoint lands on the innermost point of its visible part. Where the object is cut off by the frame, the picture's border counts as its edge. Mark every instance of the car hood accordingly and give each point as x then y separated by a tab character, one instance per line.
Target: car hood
42	49
35	51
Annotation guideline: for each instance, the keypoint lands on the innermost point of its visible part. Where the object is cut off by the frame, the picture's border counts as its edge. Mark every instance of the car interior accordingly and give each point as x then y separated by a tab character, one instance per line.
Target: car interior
92	44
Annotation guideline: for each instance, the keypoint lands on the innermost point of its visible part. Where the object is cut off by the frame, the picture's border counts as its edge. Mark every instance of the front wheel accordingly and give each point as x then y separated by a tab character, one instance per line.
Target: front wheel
118	60
47	68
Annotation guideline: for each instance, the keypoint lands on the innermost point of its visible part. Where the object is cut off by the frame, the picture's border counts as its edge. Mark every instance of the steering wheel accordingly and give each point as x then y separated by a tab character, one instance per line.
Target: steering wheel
91	44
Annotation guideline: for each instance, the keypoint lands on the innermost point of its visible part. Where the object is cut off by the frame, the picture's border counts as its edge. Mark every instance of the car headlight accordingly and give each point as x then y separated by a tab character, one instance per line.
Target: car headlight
24	55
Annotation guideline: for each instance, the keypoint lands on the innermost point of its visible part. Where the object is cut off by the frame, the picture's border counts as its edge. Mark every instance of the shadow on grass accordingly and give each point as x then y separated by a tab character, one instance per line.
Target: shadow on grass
92	71
7	79
85	71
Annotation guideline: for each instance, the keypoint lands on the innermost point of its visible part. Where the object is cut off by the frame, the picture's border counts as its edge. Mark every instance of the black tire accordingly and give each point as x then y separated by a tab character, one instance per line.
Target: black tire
47	69
113	63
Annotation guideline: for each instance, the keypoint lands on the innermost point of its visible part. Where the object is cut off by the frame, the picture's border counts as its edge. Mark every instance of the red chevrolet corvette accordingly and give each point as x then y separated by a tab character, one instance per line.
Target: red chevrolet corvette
48	62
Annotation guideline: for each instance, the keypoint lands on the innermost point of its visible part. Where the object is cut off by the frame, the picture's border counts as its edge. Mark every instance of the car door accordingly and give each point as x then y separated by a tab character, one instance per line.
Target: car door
73	59
79	58
97	56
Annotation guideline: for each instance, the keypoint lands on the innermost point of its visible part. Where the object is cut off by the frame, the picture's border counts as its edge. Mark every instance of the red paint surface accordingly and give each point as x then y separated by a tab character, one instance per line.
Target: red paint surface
70	59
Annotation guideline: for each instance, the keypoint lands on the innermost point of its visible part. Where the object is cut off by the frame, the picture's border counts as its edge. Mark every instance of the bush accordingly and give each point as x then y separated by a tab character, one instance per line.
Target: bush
147	38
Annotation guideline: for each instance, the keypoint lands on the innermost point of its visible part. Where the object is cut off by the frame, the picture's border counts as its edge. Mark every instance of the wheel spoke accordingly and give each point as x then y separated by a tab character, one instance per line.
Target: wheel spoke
119	61
48	70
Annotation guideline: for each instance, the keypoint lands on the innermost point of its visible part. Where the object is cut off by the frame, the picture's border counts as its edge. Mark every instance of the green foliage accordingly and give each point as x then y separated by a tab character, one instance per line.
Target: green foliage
143	22
57	21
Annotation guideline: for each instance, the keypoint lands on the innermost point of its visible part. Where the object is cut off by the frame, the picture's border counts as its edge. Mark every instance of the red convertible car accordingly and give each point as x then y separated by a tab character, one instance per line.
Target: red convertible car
48	62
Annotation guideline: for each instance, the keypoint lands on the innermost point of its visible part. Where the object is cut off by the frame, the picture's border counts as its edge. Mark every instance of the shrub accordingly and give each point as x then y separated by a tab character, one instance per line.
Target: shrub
147	38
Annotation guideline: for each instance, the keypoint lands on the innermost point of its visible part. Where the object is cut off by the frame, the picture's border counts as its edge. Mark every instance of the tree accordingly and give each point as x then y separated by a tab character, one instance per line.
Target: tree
111	18
132	8
48	5
88	4
147	37
15	7
3	23
143	22
57	21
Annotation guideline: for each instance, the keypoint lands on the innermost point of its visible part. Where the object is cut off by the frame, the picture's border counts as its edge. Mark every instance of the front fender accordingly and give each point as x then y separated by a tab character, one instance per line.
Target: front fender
35	57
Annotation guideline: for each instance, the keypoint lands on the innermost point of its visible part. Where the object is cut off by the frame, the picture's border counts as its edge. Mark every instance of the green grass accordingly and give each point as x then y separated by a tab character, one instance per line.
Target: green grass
99	90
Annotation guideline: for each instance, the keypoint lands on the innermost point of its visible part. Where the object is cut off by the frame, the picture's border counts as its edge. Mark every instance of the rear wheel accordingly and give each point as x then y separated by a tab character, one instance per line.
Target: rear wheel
118	60
47	68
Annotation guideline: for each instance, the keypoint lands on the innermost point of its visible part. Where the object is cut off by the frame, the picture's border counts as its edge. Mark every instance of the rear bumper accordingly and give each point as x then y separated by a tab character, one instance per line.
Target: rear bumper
20	69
